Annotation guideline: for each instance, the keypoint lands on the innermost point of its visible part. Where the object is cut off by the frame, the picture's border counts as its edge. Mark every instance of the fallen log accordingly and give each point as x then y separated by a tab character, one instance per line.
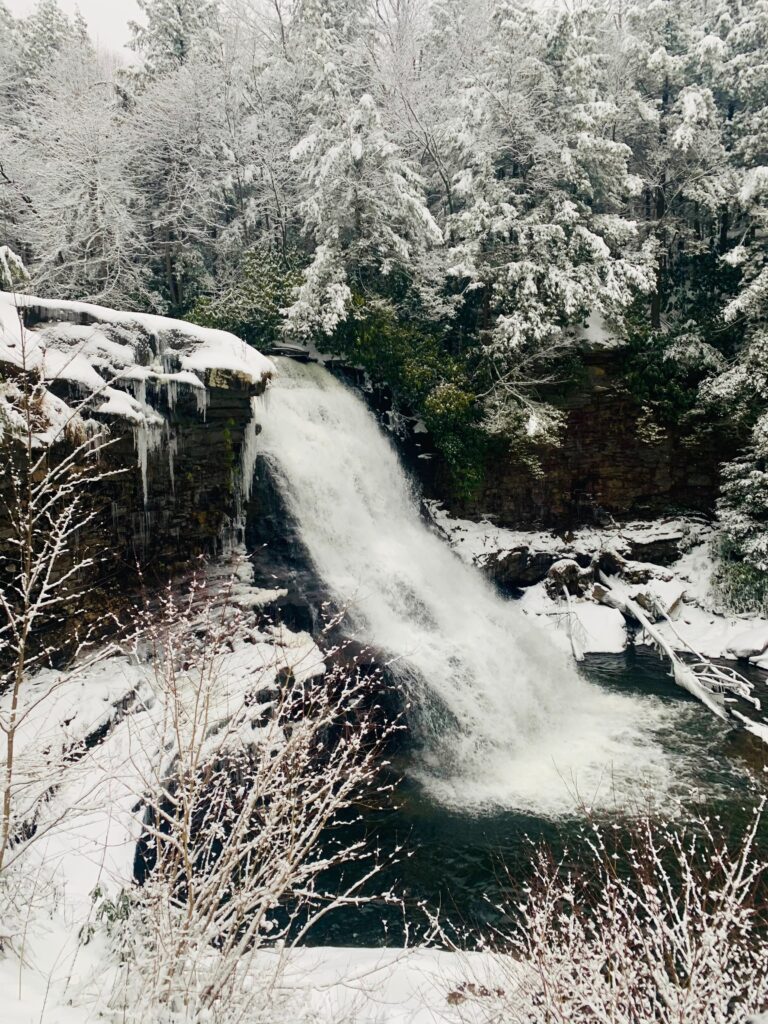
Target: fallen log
615	594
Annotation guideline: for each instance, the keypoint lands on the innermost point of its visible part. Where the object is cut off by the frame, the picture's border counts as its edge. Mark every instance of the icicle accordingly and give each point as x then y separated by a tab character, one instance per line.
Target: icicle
147	437
171	393
244	482
202	397
173	448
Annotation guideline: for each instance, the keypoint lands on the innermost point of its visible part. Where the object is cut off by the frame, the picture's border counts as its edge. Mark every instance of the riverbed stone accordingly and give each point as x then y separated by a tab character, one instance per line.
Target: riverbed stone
567	574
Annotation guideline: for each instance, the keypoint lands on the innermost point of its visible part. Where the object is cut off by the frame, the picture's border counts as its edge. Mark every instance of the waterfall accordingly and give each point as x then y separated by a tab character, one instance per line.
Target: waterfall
502	715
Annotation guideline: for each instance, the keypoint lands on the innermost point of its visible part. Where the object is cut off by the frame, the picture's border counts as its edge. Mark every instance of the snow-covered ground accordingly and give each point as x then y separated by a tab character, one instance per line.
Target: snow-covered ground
308	985
683	587
90	745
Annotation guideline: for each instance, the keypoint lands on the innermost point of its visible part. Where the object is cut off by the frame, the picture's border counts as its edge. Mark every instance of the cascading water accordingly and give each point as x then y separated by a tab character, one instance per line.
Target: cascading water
503	716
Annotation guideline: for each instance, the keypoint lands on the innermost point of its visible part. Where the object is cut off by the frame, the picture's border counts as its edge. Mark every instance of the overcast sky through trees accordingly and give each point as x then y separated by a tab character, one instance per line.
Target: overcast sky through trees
107	19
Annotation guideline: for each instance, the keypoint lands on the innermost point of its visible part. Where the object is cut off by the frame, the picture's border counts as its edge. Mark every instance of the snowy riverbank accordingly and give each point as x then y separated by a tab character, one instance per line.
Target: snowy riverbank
90	744
681	581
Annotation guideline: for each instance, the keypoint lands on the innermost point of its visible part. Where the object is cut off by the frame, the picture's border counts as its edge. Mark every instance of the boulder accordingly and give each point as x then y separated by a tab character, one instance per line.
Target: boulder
664	549
568	574
517	568
750	643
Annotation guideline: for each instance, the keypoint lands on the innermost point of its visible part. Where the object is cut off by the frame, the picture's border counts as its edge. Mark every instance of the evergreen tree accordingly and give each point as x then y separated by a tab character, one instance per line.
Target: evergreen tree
541	237
80	219
40	37
364	208
174	32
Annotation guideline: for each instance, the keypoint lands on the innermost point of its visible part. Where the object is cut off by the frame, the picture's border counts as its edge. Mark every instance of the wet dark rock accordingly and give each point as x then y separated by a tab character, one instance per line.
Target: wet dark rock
664	550
605	469
518	568
567	574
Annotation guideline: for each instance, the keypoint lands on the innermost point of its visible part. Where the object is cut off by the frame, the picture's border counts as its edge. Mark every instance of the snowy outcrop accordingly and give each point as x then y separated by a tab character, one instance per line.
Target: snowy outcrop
665	566
521	558
114	356
201	351
751	643
179	401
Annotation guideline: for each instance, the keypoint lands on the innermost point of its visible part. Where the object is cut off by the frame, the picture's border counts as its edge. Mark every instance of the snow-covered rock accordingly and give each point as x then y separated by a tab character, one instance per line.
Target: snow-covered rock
519	558
751	643
112	363
183	397
680	588
582	624
659	595
91	345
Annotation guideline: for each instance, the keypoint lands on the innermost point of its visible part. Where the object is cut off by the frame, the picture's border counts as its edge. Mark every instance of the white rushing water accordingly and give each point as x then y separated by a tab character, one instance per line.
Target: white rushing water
503	715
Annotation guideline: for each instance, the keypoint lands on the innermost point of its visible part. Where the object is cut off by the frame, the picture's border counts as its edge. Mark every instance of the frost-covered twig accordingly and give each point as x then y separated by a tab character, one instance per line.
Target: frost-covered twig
675	934
246	774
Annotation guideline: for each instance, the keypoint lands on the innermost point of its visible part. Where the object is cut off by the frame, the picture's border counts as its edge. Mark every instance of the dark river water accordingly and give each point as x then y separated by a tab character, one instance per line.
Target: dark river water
462	863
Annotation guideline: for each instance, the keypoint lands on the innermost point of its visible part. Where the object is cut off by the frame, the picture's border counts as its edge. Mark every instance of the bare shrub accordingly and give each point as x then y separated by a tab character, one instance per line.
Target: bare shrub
669	927
52	466
262	753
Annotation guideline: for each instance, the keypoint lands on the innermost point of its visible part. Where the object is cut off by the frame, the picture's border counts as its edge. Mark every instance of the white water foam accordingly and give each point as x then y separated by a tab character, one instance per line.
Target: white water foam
504	717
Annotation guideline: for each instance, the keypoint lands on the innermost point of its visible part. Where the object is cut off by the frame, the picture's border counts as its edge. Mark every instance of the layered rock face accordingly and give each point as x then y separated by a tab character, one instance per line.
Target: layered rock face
180	406
609	464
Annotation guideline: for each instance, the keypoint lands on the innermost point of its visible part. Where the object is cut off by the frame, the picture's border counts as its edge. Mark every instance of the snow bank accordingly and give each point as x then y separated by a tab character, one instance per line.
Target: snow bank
595	628
200	349
391	986
319	985
682	588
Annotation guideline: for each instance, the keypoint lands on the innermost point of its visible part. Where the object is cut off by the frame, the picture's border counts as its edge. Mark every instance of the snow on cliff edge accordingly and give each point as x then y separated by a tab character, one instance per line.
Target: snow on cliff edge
95	347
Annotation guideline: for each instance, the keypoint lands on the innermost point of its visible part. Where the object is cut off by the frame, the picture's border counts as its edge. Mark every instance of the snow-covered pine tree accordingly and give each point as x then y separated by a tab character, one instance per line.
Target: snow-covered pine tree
541	236
39	37
174	31
741	390
72	154
363	206
13	273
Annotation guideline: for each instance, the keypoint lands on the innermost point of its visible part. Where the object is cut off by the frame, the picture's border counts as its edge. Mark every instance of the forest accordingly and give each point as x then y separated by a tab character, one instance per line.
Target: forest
444	192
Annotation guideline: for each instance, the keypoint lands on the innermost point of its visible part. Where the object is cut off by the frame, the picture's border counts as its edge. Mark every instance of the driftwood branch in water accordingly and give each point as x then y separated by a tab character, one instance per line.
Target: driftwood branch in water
705	681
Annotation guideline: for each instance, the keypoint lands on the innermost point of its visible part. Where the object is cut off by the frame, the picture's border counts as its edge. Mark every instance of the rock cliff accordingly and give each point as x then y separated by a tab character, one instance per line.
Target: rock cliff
611	463
179	403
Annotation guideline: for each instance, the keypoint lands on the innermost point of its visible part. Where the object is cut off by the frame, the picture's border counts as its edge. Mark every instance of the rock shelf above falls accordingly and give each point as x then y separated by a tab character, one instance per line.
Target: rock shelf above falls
178	400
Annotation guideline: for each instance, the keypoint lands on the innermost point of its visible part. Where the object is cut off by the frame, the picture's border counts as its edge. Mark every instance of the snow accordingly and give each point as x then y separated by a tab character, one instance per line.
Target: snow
90	744
390	986
125	406
751	643
106	360
682	589
596	629
320	985
208	349
598	334
258	597
666	594
601	629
